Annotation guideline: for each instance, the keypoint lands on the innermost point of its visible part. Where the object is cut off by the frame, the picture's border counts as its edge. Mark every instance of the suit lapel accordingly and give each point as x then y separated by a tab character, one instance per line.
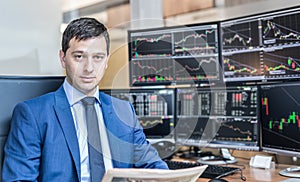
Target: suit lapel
107	111
65	119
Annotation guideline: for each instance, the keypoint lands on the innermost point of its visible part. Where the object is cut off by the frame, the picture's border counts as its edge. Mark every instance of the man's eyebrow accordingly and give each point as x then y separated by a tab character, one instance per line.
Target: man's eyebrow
102	53
75	52
95	53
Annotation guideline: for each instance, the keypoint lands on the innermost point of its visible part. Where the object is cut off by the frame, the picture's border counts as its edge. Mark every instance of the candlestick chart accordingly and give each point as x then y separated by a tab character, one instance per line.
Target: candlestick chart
238	66
152	71
283	63
280	115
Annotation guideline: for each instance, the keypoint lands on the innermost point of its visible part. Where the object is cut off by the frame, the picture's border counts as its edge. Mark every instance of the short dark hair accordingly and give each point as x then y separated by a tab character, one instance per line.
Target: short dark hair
82	29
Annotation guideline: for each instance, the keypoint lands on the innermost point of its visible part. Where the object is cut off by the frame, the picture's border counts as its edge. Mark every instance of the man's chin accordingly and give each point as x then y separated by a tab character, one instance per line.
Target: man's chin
88	89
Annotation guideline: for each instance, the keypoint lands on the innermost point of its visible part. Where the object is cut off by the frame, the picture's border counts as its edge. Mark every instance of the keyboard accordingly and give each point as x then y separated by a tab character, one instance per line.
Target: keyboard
212	171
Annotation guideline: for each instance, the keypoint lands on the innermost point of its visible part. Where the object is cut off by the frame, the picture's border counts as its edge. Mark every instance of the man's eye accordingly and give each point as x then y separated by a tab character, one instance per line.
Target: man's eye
78	56
99	57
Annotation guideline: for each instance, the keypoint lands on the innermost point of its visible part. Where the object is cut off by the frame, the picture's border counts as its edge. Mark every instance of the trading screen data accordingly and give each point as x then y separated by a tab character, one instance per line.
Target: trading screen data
217	117
280	118
262	48
154	108
174	55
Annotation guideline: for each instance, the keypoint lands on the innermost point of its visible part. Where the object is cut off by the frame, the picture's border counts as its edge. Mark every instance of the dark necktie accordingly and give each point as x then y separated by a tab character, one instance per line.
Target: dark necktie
97	168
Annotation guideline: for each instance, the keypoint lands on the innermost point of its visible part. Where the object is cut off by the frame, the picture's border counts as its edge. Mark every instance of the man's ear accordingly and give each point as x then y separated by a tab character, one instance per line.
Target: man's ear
62	58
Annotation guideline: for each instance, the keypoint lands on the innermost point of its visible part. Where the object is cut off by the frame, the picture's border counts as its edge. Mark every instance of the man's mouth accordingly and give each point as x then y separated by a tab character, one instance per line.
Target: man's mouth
87	78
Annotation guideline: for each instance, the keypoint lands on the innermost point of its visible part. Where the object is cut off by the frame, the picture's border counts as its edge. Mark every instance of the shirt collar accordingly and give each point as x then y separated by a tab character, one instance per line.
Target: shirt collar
74	95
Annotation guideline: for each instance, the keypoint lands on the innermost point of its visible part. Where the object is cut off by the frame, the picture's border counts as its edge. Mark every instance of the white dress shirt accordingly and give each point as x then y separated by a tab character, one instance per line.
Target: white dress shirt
74	97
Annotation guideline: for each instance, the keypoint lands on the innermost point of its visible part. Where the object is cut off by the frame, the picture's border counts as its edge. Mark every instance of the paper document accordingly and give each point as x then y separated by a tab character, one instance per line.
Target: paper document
153	175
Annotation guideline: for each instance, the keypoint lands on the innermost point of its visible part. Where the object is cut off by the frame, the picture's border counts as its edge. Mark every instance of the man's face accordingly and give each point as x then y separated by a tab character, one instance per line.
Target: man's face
85	62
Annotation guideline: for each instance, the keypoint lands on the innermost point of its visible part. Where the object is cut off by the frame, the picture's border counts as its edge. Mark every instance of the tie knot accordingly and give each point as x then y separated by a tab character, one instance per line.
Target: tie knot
88	101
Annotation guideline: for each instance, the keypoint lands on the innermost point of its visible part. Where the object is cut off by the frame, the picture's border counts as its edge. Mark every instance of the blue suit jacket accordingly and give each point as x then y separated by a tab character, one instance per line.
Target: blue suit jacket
42	144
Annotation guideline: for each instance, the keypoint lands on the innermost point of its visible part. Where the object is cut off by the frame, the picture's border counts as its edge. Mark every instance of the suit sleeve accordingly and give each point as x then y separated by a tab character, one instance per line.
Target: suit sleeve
145	156
23	147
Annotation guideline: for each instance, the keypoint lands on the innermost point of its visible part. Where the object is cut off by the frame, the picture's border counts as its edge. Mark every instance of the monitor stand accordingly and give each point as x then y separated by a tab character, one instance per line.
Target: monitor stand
224	158
195	153
293	172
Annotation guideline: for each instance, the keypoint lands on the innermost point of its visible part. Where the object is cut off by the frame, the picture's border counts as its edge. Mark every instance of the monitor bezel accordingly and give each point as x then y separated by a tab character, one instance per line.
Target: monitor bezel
236	145
169	136
278	150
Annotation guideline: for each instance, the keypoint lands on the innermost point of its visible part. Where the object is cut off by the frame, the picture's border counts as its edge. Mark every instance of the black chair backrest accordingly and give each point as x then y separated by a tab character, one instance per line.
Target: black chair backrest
14	89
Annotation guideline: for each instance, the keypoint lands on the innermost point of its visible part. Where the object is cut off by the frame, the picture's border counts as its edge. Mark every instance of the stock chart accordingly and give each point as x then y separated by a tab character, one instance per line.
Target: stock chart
174	55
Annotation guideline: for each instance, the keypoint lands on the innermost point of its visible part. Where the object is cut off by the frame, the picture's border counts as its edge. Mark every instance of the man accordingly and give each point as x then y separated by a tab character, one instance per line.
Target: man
48	136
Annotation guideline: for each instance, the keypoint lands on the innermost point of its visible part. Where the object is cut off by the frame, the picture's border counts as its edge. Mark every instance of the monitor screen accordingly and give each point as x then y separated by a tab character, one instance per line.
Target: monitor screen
174	55
217	117
154	108
262	47
280	122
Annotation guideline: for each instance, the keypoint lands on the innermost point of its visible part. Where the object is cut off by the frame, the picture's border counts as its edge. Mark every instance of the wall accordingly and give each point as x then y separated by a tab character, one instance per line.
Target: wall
30	36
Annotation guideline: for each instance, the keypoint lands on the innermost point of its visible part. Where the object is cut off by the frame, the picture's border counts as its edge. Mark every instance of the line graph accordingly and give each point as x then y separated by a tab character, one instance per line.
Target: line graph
240	36
281	29
194	69
195	42
156	45
156	70
150	123
241	130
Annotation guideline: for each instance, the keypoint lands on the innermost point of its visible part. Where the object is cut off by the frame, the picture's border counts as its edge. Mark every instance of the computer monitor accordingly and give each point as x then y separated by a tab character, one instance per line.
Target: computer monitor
262	47
154	108
218	117
14	89
174	55
280	121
